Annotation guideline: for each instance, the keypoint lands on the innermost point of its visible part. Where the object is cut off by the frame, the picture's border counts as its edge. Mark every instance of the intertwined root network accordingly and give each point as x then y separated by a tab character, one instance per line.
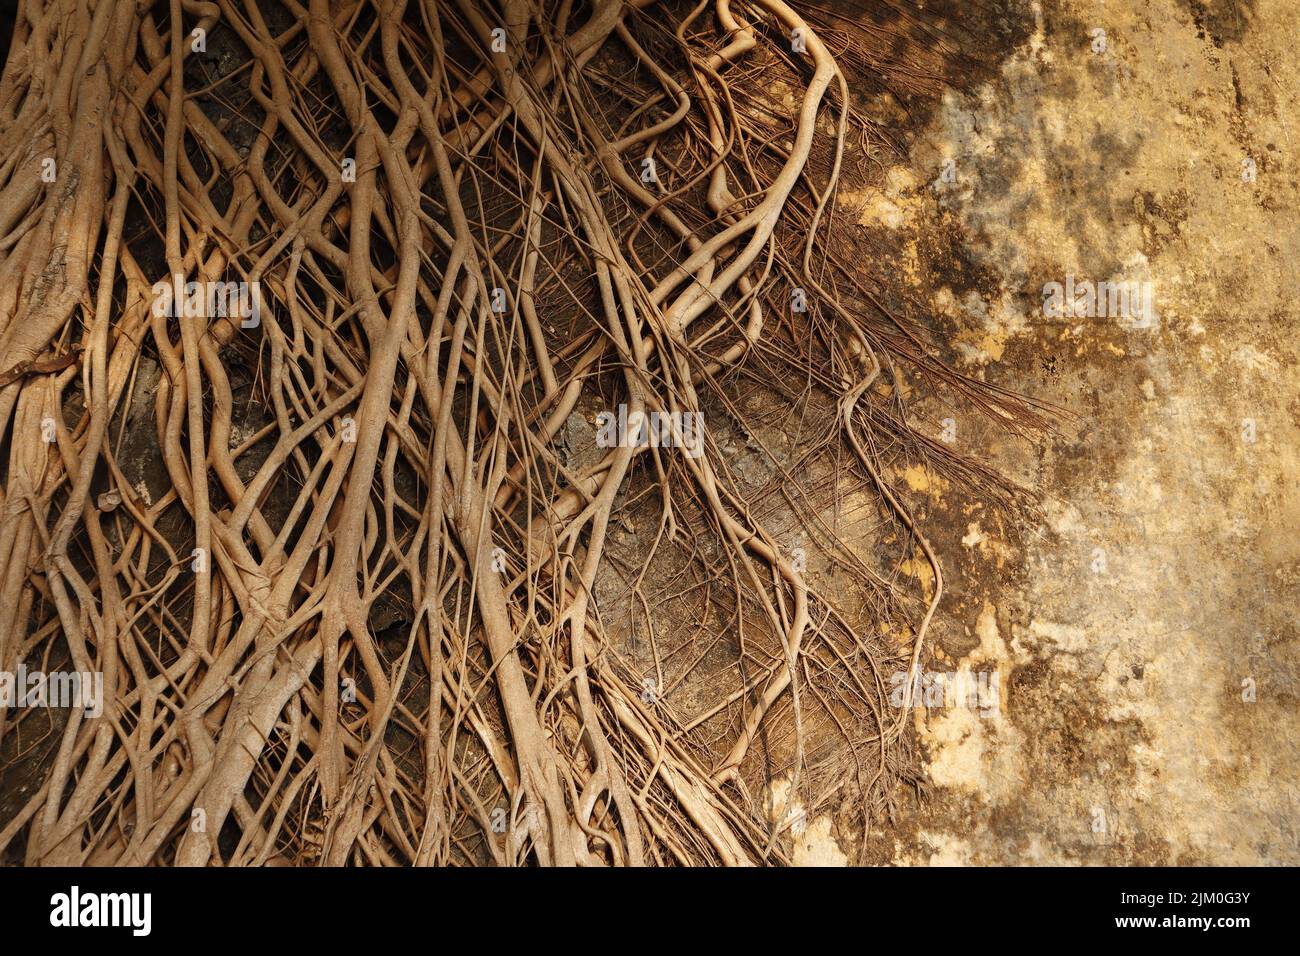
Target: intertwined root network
460	225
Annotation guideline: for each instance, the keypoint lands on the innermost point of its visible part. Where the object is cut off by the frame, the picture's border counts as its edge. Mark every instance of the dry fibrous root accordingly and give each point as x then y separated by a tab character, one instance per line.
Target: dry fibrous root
460	224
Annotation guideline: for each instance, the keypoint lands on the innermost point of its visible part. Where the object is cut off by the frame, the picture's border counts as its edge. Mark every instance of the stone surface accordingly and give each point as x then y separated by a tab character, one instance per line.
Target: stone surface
1134	618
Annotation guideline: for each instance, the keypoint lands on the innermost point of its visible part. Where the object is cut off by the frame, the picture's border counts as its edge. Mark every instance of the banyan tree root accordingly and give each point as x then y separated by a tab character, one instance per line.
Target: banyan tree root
434	232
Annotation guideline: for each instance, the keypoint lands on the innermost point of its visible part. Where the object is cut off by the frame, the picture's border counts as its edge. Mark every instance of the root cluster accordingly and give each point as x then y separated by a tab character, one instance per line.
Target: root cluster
337	560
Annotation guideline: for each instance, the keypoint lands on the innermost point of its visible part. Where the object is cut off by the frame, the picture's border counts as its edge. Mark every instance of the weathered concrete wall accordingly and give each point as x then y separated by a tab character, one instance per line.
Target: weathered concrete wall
1144	627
